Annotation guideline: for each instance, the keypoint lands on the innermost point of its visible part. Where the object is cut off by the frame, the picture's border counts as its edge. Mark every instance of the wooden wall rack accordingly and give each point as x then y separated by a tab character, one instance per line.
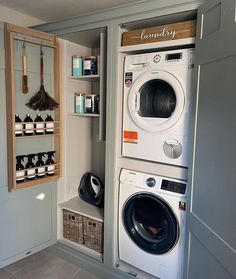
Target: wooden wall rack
15	33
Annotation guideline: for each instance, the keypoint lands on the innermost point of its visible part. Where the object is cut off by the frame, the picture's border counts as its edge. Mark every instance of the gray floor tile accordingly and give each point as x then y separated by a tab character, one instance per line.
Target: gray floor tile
37	257
13	268
47	266
84	275
5	274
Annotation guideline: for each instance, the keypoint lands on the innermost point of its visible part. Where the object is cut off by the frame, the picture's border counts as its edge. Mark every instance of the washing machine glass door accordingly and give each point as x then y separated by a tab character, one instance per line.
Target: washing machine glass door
156	101
150	223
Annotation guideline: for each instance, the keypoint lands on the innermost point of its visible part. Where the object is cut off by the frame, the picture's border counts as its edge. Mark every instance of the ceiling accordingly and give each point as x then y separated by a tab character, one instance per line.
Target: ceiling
53	10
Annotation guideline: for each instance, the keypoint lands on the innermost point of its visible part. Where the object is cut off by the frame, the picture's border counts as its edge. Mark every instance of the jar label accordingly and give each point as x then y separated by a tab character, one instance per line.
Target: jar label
78	100
88	103
87	65
28	128
31	173
76	62
20	174
51	169
50	127
38	127
18	126
41	171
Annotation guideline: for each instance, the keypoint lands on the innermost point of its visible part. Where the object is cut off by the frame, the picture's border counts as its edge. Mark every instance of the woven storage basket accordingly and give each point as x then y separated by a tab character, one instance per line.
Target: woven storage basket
93	234
73	226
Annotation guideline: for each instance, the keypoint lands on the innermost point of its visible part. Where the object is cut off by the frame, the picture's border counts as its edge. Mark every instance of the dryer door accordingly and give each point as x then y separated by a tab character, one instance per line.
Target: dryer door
156	101
150	223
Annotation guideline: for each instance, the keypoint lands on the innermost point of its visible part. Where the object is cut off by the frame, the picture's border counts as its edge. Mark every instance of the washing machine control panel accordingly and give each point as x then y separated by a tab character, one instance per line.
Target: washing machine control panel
151	182
173	186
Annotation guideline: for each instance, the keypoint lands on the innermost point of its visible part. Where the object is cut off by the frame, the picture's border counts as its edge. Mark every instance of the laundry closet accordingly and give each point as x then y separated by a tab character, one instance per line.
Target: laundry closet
96	143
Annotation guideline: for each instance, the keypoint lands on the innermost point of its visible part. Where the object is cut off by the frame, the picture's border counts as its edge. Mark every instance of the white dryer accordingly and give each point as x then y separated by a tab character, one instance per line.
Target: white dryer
152	223
157	106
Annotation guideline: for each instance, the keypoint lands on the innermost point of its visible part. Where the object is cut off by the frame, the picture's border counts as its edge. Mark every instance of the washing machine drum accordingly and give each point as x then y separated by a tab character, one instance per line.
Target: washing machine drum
91	189
151	223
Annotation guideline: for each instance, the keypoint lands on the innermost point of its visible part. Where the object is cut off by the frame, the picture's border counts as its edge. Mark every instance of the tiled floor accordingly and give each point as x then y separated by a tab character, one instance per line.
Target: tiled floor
44	265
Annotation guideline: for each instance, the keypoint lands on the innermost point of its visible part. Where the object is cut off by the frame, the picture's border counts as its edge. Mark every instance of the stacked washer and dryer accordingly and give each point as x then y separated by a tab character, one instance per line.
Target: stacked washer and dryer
157	106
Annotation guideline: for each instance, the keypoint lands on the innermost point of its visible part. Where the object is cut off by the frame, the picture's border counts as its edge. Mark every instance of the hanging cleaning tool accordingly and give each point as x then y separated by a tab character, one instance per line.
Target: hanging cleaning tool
50	163
30	167
41	169
41	100
20	169
25	87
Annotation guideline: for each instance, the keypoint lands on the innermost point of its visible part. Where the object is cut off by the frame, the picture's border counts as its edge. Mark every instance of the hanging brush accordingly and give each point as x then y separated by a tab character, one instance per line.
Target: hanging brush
25	87
41	100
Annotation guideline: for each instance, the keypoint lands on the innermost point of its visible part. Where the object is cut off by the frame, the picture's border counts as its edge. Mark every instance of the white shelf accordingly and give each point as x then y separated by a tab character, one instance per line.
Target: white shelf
85	78
86	114
83	249
78	206
164	44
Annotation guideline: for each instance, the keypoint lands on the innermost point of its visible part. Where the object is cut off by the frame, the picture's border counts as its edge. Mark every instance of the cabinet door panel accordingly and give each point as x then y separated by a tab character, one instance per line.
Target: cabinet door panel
211	220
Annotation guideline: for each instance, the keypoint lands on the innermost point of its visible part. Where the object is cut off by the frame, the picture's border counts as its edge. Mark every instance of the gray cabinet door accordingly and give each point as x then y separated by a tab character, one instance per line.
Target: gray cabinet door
212	203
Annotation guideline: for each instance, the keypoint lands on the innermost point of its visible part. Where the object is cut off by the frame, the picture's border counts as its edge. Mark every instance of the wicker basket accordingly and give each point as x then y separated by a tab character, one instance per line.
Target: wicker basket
93	234
73	226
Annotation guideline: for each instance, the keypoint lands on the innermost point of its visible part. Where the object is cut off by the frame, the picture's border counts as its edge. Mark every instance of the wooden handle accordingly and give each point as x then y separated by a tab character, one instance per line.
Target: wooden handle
41	68
25	87
24	65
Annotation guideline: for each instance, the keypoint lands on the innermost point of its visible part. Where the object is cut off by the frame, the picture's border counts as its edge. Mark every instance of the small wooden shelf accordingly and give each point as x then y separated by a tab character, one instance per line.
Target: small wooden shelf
37	181
87	114
37	136
157	45
78	206
35	168
85	78
83	249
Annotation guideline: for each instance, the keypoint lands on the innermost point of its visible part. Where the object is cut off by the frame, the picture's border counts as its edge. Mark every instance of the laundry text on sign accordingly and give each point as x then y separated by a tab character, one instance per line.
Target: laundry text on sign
163	33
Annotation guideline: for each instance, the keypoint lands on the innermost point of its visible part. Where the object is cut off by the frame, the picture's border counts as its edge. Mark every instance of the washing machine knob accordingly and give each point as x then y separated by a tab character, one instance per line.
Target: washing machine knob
151	182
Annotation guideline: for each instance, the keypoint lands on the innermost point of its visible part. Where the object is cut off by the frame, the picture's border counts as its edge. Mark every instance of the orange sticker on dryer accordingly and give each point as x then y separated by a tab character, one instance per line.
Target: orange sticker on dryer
130	137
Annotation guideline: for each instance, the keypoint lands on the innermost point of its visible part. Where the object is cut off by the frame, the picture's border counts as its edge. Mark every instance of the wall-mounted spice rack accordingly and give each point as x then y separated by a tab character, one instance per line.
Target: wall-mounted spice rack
14	36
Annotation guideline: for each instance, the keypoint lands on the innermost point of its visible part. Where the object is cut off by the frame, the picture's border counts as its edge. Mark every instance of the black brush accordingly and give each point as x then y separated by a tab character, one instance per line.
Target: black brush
41	100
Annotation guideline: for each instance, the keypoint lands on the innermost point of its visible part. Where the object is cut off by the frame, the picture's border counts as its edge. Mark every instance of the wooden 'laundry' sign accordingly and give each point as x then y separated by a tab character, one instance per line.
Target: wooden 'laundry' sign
174	31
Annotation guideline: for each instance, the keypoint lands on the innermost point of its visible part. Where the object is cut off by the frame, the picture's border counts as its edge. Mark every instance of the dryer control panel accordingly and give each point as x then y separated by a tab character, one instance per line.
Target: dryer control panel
173	186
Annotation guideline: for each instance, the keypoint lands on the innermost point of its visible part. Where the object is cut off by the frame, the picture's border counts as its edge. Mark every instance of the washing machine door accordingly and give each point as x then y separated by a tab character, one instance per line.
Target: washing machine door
150	223
156	101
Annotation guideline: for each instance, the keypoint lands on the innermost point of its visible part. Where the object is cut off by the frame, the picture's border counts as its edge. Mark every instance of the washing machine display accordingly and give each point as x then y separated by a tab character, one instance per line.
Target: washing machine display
156	104
152	223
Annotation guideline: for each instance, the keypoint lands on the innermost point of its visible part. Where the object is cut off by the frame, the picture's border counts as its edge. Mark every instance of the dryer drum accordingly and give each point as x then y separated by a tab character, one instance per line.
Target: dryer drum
150	223
157	99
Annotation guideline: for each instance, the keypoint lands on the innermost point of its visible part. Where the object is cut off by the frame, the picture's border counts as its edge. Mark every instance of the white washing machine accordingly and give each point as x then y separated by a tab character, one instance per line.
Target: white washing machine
157	106
152	223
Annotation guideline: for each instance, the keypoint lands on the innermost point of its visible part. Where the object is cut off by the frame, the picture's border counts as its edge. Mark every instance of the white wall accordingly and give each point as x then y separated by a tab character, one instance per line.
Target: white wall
11	16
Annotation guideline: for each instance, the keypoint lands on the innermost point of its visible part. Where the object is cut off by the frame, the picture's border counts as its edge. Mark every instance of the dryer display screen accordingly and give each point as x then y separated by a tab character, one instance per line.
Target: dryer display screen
174	56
